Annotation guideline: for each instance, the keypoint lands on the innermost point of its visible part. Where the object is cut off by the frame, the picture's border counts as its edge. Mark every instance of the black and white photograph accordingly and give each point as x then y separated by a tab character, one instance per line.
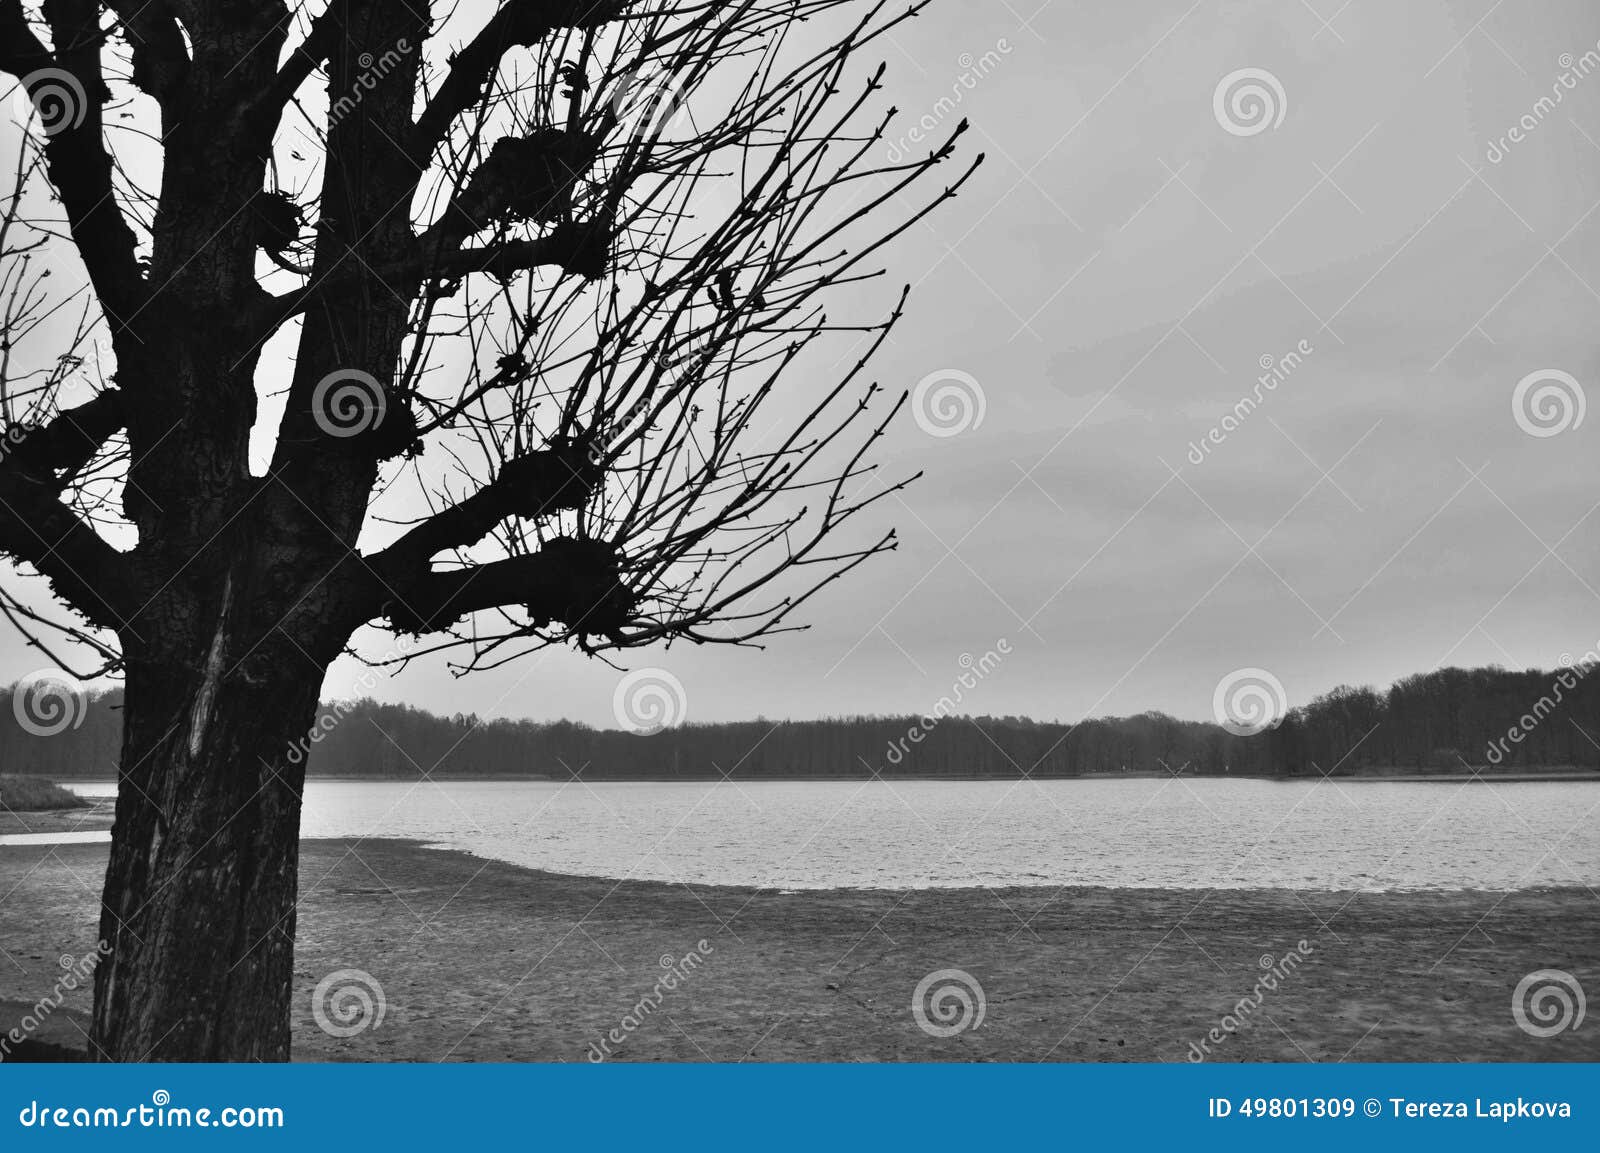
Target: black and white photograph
800	532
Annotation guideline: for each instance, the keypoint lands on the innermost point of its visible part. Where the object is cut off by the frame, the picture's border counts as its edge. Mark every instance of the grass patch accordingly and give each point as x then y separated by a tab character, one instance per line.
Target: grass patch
32	795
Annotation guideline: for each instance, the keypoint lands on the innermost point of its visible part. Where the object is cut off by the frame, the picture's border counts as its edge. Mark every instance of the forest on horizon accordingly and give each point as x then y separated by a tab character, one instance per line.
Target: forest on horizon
1442	721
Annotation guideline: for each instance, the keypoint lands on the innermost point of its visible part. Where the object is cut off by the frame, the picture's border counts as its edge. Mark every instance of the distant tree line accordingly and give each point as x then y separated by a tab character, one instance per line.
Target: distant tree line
1441	721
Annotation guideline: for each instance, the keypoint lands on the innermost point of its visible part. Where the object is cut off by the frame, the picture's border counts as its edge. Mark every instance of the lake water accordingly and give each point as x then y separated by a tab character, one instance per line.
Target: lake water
1178	833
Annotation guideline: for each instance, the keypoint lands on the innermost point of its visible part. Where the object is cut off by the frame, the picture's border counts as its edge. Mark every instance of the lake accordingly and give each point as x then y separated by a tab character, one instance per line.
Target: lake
1173	833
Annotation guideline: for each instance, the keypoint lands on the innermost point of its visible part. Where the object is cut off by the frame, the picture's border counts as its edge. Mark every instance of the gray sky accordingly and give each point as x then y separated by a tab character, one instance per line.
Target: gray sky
1112	281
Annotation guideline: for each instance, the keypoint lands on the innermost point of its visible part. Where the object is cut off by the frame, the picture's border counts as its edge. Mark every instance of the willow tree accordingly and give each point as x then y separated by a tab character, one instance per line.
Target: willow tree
498	327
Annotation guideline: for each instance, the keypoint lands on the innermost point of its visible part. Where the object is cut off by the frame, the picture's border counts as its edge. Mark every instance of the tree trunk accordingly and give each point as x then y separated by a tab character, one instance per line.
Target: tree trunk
199	905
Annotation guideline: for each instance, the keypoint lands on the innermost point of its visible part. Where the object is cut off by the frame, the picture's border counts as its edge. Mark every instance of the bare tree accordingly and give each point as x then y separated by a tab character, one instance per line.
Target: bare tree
539	290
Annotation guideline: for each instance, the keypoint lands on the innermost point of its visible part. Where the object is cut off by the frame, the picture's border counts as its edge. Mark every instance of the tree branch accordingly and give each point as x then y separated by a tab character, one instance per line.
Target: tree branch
69	441
518	23
576	582
35	527
537	484
306	58
570	247
79	165
160	60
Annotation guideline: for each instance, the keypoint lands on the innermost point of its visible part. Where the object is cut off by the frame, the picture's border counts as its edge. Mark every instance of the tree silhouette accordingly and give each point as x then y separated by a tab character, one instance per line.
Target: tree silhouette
534	296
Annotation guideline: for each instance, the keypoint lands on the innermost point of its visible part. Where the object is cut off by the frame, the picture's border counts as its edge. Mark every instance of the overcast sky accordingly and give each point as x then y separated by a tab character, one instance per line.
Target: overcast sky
1113	281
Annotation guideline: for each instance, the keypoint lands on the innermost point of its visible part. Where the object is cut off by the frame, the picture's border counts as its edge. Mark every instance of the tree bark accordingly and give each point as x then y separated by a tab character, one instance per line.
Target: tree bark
199	907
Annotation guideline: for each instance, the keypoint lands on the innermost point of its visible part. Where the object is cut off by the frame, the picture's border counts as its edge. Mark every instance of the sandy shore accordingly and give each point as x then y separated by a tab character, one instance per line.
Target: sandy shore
482	961
95	817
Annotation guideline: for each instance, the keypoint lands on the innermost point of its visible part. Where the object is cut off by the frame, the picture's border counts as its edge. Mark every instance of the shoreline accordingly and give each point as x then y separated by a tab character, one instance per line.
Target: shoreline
88	825
1524	776
423	846
1017	890
483	960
